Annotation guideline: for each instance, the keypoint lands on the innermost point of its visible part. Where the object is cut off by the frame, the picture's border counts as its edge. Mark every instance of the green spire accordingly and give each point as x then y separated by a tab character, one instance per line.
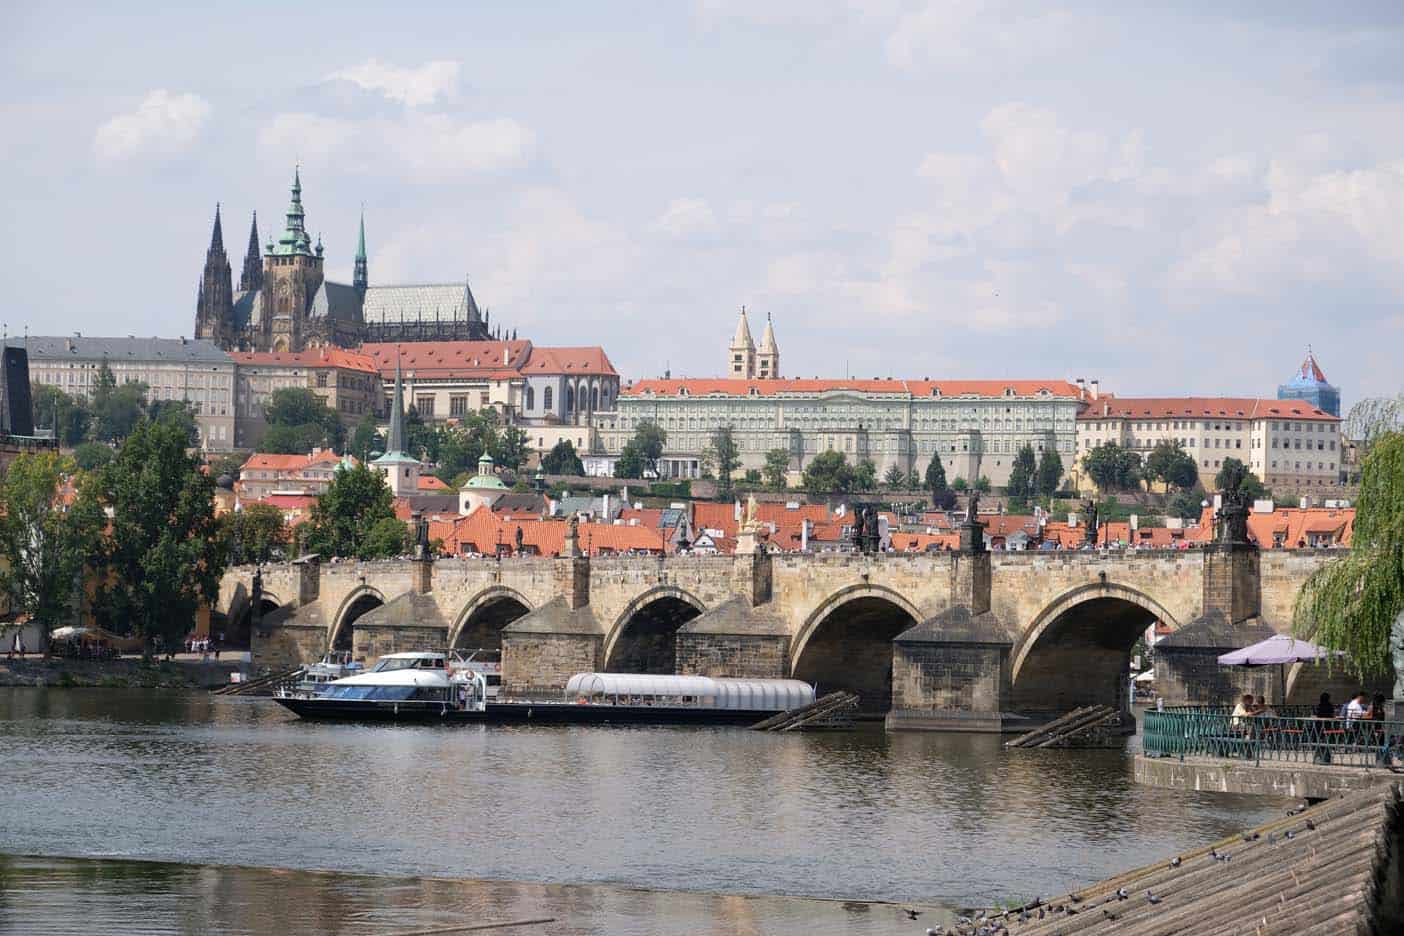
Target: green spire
360	277
361	242
294	239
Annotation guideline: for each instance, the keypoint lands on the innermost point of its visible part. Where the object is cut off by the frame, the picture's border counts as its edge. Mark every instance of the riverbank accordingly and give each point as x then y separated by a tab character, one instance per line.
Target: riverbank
123	673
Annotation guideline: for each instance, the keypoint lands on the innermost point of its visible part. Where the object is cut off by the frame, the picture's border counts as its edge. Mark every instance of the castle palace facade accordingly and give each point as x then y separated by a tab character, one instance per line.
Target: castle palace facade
285	303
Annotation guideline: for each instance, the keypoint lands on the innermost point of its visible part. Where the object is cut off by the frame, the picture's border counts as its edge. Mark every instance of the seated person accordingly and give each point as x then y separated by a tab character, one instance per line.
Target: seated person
1241	711
1325	708
1356	708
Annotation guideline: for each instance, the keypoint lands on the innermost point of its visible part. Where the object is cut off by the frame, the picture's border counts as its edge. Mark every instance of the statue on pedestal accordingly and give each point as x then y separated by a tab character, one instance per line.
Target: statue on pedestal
1233	514
857	535
972	507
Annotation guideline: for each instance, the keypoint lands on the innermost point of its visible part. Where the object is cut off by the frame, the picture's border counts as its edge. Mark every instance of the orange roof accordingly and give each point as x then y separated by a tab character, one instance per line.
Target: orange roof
431	483
713	516
268	462
288	501
446	359
1292	527
591	361
921	542
1202	408
311	358
798	387
482	531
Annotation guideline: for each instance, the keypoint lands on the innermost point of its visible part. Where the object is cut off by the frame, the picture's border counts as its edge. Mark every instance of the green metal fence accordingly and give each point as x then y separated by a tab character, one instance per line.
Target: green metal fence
1288	735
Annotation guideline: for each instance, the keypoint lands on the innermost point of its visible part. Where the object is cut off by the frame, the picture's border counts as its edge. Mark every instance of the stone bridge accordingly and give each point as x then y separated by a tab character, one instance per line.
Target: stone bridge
965	639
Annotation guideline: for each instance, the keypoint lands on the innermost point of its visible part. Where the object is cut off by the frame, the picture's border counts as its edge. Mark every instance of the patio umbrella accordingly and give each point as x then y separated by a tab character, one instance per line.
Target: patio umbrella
1279	649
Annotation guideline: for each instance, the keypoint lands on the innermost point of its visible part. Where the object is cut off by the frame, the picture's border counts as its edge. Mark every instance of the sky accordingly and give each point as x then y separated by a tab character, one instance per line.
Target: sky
1171	198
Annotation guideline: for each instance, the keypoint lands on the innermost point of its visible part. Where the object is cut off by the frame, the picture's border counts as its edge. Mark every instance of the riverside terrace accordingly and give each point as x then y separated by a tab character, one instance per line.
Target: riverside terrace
1288	753
961	640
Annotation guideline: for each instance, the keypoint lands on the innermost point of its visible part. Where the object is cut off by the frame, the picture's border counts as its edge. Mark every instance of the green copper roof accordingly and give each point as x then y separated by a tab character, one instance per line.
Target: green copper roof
361	242
488	482
294	240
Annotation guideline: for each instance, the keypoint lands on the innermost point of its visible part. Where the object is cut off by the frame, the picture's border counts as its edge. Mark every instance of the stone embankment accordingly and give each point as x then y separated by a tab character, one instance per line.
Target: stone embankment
118	674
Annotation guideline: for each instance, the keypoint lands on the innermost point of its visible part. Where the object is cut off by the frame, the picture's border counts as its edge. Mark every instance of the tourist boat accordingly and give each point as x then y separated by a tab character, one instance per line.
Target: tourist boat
337	664
427	686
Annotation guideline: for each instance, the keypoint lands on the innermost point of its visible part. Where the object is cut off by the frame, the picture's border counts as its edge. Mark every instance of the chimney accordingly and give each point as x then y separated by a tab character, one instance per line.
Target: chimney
1096	387
736	511
804	535
506	359
1081	386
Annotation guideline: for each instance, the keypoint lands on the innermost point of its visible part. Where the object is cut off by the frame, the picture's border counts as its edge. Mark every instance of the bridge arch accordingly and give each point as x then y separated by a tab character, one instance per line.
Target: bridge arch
366	598
239	634
846	643
479	625
643	638
1077	649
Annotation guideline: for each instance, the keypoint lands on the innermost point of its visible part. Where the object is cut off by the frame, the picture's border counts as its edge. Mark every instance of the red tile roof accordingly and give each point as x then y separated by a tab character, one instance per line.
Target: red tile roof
260	461
448	359
1201	408
591	361
311	358
915	388
431	483
481	532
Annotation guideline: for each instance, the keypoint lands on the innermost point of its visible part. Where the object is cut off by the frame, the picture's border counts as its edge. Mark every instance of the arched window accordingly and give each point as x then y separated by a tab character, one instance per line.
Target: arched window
570	398
531	398
546	400
594	398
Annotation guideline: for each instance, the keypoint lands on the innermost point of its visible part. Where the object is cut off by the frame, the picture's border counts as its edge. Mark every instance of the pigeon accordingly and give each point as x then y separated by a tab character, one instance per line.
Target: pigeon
1075	898
1289	833
931	931
1109	914
1152	898
911	914
964	920
1175	862
1122	893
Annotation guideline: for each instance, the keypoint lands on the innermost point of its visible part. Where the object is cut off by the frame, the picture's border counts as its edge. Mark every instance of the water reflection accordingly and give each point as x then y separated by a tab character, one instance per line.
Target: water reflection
857	814
40	896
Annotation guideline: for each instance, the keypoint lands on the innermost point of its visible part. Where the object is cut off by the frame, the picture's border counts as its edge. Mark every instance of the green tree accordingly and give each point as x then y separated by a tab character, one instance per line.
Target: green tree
630	463
649	438
960	484
1050	472
386	537
228	464
68	417
511	448
44	547
303	418
92	455
459	451
257	533
366	438
777	469
865	476
355	501
828	473
1353	603
162	556
722	458
1187	504
935	480
1113	468
982	484
894	478
752	476
563	460
1251	487
1022	477
1170	464
116	411
177	413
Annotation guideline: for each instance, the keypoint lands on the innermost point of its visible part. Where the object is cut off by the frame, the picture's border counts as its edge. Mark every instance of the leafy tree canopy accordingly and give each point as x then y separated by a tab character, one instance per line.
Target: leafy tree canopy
256	534
722	458
563	460
1251	487
91	455
828	473
1169	463
304	419
355	501
1050	472
1113	468
777	469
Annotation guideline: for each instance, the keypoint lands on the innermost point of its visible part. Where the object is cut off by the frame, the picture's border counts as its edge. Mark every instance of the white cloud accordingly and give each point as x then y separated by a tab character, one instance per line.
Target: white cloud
163	124
433	146
963	33
412	87
687	218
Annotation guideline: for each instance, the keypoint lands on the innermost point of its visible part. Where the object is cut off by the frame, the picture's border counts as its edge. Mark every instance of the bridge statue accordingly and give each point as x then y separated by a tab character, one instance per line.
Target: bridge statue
870	530
1089	511
972	507
857	535
517	537
1233	514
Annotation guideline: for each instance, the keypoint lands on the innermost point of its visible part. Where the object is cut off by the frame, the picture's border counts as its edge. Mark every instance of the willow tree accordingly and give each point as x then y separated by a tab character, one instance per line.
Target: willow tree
1352	603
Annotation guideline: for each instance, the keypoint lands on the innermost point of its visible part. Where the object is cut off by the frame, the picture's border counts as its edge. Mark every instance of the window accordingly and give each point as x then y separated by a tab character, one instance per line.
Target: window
546	398
424	406
321	378
530	398
458	404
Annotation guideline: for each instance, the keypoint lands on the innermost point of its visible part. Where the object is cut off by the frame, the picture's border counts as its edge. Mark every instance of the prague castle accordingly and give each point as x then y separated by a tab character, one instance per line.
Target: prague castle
285	303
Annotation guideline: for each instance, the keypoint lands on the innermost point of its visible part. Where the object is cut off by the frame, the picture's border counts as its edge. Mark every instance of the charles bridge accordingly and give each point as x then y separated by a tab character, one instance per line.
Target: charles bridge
966	640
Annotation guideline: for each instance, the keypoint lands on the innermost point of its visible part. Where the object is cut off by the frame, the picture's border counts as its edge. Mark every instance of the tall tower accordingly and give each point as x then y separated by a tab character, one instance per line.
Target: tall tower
1310	385
768	357
360	279
400	470
742	359
251	278
214	308
292	273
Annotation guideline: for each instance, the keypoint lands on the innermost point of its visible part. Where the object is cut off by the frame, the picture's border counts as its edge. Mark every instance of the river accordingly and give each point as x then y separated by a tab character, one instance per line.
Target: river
942	819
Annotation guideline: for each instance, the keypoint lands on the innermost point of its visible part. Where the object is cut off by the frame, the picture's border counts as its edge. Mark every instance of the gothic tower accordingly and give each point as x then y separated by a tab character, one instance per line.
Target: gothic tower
360	278
292	272
214	309
742	359
768	357
251	279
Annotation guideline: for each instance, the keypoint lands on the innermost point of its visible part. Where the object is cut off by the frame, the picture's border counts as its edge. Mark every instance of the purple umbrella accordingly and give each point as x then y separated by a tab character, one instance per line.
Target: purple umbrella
1279	649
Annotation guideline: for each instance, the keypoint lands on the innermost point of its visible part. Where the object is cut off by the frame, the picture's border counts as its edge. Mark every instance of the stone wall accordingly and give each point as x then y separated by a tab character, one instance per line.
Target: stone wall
1193	676
1025	583
738	655
286	646
371	642
953	681
547	661
1281	574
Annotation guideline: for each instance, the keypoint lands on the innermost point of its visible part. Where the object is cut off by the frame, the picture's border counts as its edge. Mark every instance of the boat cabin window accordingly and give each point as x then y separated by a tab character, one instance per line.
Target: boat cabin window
389	664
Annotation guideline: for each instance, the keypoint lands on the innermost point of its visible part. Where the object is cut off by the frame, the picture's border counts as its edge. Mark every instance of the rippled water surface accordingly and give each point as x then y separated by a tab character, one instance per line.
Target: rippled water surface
950	819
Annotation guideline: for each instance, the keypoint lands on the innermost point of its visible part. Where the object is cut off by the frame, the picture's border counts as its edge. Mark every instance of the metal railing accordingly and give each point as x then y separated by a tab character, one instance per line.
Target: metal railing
1289	735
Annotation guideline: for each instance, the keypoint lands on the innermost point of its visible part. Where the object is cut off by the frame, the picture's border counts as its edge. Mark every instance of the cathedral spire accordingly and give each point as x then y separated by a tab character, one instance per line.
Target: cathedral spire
252	276
294	239
396	442
217	238
360	279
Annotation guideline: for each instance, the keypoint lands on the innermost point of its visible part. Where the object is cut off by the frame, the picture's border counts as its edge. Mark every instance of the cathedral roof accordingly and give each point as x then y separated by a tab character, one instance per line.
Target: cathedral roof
336	301
449	302
248	308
